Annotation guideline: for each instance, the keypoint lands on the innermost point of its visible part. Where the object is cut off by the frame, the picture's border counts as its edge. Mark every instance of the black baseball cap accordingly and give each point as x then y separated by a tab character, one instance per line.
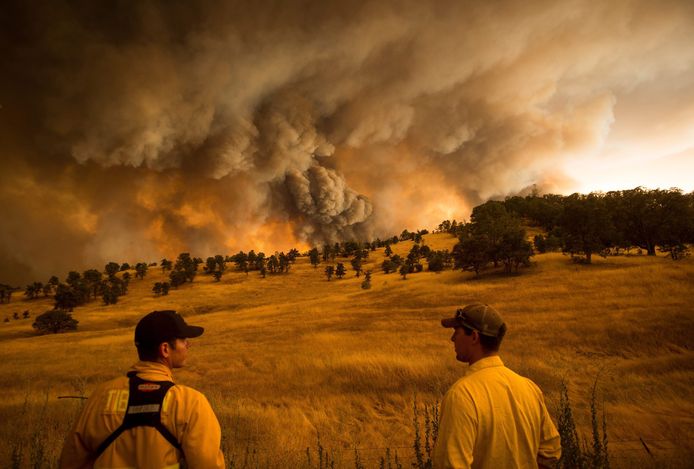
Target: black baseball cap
163	326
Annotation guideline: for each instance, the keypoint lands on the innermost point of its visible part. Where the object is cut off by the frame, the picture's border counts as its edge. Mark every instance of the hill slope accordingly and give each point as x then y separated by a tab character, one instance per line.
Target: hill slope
290	356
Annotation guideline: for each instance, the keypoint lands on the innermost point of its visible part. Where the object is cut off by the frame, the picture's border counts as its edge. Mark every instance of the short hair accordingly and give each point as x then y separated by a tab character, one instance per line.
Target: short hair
489	344
150	352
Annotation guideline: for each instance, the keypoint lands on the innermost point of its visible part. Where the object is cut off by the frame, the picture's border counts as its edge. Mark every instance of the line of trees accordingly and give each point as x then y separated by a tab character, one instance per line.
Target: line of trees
614	221
597	223
80	288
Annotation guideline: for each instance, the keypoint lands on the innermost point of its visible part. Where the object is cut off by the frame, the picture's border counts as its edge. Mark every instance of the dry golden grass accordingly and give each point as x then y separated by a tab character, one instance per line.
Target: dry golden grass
288	357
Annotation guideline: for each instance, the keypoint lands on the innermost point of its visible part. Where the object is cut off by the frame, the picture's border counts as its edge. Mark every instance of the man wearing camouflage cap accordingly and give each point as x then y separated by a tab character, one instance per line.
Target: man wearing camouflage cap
491	417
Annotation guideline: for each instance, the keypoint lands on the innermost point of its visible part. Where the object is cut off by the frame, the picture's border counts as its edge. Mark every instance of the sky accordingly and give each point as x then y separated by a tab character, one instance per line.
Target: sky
133	131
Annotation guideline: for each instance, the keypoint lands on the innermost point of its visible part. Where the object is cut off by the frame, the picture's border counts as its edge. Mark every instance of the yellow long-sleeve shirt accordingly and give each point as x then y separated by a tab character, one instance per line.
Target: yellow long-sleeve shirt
186	413
494	418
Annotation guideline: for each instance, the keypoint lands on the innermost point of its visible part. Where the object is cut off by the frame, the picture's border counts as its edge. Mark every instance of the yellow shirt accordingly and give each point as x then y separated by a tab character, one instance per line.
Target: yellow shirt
186	413
493	418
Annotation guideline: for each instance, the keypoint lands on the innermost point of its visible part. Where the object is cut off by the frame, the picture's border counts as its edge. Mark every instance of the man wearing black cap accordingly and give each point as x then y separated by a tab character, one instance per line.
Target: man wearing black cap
491	417
144	420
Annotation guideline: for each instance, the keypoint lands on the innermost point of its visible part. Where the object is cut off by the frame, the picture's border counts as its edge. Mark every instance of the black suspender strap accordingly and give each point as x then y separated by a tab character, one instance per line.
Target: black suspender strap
145	402
107	442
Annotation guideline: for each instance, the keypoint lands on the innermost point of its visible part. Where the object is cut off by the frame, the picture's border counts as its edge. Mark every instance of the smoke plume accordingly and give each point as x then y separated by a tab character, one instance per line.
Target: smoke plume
138	130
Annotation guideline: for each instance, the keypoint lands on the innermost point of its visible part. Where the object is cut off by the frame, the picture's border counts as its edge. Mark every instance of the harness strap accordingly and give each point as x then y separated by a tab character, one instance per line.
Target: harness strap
107	442
144	409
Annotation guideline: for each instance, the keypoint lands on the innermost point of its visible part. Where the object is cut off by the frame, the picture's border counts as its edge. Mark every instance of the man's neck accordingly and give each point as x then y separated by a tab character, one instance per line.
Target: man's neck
163	361
480	356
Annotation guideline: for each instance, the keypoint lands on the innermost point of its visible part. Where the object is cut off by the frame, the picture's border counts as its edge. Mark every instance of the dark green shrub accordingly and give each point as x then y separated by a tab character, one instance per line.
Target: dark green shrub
54	322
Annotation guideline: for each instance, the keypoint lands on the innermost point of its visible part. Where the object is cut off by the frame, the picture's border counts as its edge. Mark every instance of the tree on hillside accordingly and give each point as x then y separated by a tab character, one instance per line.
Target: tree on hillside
492	222
112	289
680	224
92	279
494	235
5	293
166	265
73	278
471	253
141	270
424	251
33	290
109	295
547	243
586	225
329	271
388	266
67	298
414	255
260	260
221	262
292	255
329	253
187	265
650	218
444	226
54	322
284	262
177	278
388	251
217	274
340	270
314	257
515	250
252	258
242	260
161	288
366	284
438	260
273	264
112	268
404	270
356	265
210	265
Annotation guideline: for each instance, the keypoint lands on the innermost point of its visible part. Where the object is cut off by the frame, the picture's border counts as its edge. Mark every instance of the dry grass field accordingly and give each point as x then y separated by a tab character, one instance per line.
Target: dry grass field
290	357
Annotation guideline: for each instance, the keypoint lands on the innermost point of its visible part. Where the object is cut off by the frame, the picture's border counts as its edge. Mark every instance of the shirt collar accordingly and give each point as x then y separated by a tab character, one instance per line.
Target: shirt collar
486	362
152	370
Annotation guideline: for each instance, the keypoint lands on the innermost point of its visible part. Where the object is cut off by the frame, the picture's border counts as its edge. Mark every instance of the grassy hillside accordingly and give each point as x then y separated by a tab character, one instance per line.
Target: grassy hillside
288	357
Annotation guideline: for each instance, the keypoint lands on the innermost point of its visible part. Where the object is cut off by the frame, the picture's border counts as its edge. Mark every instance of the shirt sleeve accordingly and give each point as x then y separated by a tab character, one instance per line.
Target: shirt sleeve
75	454
457	431
550	442
202	438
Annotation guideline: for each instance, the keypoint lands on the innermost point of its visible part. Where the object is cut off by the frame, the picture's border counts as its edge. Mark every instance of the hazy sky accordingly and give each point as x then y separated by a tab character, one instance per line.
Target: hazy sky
135	130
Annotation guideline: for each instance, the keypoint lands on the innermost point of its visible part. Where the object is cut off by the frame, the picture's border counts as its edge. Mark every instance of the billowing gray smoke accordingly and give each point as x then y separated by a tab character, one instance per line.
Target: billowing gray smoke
140	130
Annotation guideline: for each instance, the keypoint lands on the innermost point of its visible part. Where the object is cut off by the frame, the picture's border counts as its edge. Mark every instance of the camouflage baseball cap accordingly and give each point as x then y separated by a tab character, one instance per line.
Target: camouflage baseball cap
480	317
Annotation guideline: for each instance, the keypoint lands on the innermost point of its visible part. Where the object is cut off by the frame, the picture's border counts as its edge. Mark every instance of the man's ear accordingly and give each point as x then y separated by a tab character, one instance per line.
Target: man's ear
164	349
475	336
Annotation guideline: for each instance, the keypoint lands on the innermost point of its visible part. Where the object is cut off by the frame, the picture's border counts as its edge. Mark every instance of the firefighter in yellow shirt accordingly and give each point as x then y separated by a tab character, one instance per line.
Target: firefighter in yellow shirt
144	420
491	417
